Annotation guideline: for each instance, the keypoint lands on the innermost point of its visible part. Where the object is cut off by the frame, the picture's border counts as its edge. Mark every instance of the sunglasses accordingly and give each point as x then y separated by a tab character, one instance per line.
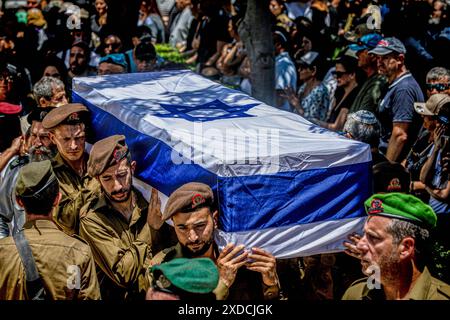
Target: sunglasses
339	74
438	86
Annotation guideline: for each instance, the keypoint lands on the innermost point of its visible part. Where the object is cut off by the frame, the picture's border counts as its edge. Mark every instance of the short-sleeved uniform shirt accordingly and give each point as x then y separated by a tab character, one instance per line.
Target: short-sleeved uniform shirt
398	106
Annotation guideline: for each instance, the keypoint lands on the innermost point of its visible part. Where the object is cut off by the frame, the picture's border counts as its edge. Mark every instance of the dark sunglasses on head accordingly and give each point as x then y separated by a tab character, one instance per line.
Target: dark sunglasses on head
338	74
438	86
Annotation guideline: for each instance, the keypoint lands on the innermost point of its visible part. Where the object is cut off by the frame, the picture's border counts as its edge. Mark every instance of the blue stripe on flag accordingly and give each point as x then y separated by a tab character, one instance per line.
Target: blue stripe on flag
296	197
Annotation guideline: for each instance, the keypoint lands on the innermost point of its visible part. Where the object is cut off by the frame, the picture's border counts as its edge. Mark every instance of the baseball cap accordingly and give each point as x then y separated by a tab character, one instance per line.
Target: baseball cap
388	45
433	104
367	42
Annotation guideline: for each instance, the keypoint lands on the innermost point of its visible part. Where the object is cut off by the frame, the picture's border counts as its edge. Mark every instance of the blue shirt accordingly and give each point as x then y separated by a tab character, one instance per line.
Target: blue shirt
398	106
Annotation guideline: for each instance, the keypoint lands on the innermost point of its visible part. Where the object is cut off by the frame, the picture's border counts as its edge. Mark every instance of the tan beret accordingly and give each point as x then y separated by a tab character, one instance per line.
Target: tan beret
67	114
105	153
188	197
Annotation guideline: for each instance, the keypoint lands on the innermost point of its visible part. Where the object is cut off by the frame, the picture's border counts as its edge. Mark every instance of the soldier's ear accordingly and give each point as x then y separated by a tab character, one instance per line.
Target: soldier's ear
133	167
215	216
19	202
406	248
57	199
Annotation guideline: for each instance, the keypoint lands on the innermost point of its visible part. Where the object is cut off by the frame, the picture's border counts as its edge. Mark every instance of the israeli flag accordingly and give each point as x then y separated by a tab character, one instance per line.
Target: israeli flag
282	183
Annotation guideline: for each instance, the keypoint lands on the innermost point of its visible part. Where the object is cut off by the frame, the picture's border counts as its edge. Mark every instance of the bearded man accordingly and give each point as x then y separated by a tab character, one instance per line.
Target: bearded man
119	224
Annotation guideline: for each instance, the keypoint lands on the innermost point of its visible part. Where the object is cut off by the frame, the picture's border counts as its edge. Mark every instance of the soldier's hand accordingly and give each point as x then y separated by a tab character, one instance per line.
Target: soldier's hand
265	263
17	145
352	250
154	215
229	262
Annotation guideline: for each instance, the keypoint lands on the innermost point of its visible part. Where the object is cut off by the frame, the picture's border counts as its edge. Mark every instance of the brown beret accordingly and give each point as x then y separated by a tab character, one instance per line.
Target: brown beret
105	153
67	114
188	197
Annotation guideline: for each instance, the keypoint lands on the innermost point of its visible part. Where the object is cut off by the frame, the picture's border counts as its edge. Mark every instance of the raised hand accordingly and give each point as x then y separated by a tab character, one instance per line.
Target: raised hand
265	263
154	215
229	262
352	250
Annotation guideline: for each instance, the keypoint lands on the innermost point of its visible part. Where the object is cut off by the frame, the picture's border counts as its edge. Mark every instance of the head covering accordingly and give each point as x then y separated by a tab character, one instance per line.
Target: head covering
364	116
36	18
71	113
388	45
198	276
38	114
367	42
105	153
145	50
9	108
390	177
433	104
187	198
401	206
115	58
308	58
34	178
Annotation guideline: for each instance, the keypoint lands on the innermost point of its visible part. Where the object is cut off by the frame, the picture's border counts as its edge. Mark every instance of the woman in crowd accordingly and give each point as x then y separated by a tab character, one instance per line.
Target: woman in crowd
311	100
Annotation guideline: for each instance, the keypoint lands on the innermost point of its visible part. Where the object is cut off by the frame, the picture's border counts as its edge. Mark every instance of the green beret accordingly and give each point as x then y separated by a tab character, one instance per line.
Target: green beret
105	153
187	198
198	275
401	206
71	113
33	178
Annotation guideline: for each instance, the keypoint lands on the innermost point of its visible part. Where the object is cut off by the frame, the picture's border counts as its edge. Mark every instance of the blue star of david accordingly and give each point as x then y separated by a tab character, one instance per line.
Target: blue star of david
213	110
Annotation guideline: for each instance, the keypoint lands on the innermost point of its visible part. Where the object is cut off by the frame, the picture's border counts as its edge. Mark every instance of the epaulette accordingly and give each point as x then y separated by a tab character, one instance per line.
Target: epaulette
76	236
444	290
358	281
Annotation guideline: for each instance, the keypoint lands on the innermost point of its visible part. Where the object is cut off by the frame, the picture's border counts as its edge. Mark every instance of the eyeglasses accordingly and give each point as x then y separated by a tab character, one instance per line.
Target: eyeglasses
112	45
440	87
339	74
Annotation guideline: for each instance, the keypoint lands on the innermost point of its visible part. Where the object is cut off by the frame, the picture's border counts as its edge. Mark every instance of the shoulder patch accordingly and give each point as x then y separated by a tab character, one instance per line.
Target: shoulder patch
163	256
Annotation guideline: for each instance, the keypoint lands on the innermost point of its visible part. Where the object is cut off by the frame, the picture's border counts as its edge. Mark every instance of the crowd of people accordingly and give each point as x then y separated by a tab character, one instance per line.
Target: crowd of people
374	71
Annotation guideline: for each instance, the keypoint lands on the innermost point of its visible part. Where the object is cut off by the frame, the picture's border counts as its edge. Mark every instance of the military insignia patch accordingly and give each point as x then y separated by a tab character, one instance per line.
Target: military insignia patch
197	200
119	153
73	117
375	207
163	282
394	185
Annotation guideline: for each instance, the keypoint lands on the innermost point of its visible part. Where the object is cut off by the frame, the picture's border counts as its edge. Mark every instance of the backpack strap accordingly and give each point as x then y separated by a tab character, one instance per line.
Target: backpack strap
34	285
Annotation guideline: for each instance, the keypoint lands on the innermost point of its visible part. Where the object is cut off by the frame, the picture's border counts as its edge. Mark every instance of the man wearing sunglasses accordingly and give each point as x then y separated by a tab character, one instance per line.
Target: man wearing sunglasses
373	89
400	123
438	81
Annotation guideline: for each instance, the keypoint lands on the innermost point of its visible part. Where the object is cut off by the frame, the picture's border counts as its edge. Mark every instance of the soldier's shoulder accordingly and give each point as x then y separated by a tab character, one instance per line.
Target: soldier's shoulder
164	256
356	290
442	288
90	208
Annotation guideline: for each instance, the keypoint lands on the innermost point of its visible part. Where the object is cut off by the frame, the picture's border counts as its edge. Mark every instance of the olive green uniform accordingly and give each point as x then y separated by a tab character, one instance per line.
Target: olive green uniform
248	285
425	288
55	254
122	250
75	191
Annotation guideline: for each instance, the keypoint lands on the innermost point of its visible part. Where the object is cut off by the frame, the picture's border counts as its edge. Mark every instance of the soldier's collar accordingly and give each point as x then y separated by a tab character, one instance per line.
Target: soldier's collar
421	287
40	224
58	162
